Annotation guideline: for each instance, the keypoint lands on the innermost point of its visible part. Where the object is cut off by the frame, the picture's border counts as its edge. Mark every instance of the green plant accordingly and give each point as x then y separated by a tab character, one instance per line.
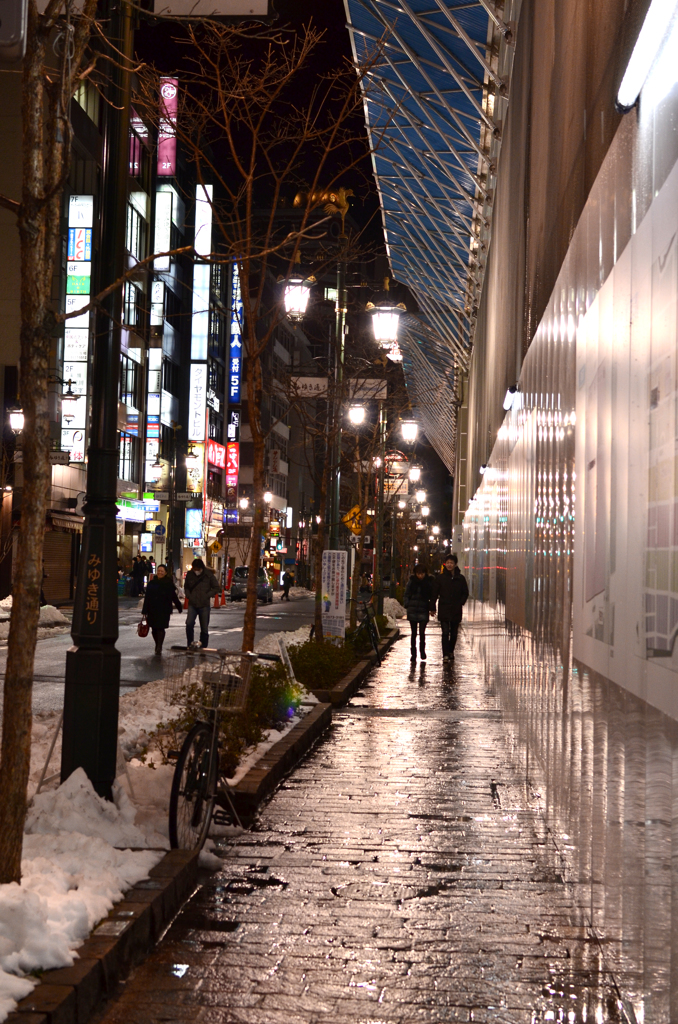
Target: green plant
321	664
382	624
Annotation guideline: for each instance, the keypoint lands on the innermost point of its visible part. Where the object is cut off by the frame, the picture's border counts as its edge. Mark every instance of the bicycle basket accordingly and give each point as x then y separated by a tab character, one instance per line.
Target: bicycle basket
214	681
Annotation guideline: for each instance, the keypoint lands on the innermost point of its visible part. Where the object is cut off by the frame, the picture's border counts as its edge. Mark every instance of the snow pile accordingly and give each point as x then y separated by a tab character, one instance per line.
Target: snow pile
268	644
74	807
49	615
72	874
393	608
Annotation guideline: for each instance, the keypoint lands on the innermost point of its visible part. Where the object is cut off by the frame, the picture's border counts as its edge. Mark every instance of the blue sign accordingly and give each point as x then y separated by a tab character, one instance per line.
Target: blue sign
193	524
231	516
160	530
235	355
80	244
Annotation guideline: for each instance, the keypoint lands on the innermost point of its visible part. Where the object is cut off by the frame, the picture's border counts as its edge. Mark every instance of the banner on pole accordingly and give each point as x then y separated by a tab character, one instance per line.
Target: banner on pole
334	593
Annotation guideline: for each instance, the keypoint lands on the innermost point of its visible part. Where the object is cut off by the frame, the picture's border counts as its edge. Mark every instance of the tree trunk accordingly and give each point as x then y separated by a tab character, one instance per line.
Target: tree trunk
37	217
254	379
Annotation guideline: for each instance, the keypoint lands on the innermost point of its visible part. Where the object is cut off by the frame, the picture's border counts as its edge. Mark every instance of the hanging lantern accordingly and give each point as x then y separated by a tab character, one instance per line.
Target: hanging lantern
385	319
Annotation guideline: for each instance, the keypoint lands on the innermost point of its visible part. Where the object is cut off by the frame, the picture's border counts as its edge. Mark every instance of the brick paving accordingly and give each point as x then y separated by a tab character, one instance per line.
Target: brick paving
398	875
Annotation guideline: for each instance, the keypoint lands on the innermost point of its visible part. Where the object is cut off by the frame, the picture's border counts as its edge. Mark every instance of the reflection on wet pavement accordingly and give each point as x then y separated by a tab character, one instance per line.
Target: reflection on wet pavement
421	865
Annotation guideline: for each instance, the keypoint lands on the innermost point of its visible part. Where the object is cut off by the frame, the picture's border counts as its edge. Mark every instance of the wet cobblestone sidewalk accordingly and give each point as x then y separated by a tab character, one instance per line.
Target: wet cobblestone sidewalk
399	875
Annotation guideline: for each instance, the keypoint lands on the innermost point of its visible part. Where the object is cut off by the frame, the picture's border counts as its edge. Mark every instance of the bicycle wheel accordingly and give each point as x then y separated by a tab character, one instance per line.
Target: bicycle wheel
373	637
192	796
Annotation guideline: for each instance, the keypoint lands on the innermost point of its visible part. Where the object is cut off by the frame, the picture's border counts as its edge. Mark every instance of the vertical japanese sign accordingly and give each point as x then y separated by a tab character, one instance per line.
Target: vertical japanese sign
235	353
93	584
76	334
333	592
197	402
167	134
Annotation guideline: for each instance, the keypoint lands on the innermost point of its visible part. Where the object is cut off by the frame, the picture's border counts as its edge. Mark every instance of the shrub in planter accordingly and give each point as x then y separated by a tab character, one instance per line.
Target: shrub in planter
271	702
321	665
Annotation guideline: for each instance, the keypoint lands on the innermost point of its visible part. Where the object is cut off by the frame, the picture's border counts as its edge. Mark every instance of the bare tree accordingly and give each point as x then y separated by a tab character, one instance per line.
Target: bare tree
56	61
259	130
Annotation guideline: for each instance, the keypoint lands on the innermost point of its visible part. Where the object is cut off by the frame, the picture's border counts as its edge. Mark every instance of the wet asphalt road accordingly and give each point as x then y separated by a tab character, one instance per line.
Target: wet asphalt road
138	664
402	873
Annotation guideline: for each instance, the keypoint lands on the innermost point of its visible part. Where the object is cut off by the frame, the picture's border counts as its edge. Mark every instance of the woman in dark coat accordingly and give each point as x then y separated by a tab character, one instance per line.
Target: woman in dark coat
160	596
417	601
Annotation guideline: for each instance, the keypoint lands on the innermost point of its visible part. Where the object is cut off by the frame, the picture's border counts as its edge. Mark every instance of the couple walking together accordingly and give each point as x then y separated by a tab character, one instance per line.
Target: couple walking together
200	586
449	590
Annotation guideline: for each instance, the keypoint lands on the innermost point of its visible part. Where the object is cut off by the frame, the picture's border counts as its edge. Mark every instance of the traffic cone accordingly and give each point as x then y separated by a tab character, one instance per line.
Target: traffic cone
185	603
223	598
217	602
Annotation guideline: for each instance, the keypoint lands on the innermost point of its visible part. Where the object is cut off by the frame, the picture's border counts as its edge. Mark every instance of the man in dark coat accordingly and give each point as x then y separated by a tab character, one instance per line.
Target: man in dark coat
138	576
160	596
200	586
417	601
450	590
287	581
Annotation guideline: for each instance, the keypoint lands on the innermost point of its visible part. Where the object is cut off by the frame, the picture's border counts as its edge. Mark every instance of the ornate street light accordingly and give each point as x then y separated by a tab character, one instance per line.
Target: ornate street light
420	496
402	504
191	454
356	414
425	511
385	317
435	529
155	471
297	291
415	474
409	430
268	497
244	503
16	420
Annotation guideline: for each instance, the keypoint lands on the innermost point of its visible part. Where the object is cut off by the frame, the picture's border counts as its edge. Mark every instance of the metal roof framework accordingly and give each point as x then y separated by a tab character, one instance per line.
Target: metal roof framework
433	98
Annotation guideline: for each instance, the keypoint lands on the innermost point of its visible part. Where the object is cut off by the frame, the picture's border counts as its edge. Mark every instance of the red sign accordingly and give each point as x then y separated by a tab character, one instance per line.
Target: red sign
167	133
216	454
232	463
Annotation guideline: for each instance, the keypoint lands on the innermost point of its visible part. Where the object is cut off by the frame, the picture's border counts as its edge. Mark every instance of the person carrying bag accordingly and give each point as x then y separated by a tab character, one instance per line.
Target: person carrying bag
160	596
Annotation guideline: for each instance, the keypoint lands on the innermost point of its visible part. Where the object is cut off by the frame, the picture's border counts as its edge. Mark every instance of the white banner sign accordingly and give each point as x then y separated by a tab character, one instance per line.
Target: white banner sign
197	402
334	593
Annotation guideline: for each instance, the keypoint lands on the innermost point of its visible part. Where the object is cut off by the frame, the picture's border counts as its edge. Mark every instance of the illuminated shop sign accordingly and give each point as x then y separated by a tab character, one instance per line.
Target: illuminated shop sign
193	528
79	243
216	454
233	426
232	463
167	135
235	354
195	471
197	402
76	330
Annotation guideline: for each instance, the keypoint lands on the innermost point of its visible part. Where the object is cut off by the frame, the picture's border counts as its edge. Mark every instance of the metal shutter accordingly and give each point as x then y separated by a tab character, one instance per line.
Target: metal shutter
57	560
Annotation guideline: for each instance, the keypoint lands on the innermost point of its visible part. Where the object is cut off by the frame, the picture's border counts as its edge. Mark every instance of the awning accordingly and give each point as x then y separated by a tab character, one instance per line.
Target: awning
62	521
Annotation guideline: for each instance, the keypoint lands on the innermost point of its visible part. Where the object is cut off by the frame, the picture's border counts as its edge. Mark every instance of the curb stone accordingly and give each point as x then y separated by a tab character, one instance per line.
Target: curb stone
69	995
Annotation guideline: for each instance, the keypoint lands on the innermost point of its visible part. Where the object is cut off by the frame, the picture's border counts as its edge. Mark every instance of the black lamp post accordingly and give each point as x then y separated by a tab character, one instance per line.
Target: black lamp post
90	731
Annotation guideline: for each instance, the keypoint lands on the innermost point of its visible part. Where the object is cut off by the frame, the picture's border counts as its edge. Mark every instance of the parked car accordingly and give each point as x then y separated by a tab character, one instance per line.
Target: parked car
239	584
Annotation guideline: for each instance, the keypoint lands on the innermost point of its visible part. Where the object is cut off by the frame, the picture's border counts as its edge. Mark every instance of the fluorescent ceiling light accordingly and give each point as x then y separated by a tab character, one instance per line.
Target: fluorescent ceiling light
648	45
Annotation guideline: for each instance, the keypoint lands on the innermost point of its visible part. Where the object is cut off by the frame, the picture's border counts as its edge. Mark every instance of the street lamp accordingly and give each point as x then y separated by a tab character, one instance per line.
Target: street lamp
425	511
156	469
420	496
356	414
436	530
268	497
385	319
402	504
16	420
191	454
409	429
244	503
415	474
297	291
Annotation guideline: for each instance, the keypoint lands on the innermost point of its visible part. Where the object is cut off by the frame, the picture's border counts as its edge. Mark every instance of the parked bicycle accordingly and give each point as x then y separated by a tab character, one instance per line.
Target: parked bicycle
217	682
368	629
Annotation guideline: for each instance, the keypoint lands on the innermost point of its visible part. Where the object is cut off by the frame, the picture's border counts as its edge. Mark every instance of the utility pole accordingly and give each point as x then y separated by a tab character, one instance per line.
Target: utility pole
92	689
380	509
340	326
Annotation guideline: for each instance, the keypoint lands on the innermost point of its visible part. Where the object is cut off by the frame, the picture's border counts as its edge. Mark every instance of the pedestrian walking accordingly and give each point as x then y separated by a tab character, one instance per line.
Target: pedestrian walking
287	581
417	601
200	586
137	576
450	591
161	594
